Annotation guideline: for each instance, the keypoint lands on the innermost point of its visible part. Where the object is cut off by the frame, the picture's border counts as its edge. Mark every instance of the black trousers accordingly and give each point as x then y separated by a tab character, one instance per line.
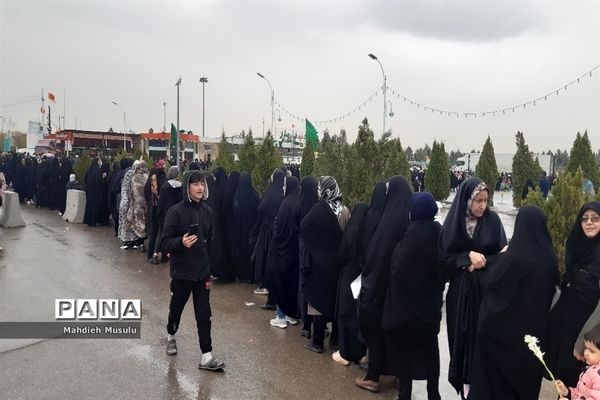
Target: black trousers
370	325
180	293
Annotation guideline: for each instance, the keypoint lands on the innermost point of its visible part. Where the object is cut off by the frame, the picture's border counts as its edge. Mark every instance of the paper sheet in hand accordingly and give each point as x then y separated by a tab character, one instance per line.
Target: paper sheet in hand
355	287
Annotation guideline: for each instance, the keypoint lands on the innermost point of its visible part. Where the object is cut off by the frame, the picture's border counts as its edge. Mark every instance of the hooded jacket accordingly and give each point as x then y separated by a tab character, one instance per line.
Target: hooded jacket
190	264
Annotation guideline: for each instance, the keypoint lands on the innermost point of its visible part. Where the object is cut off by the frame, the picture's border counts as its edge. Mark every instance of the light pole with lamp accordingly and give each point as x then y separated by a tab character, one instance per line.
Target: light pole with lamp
178	83
124	125
272	103
384	90
203	80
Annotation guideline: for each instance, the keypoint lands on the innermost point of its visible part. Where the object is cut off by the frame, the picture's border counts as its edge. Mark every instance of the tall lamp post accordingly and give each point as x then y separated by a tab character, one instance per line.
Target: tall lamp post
272	103
178	83
164	116
124	125
203	80
384	90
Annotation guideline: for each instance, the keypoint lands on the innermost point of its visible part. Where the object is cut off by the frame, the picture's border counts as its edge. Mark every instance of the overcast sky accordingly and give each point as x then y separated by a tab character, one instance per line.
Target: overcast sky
463	56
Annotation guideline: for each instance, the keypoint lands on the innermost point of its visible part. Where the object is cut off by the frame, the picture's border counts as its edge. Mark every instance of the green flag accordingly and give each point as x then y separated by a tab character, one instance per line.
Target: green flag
311	134
173	134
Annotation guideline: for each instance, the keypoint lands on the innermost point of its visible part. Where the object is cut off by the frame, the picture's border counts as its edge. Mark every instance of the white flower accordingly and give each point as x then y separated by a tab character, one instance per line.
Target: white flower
532	343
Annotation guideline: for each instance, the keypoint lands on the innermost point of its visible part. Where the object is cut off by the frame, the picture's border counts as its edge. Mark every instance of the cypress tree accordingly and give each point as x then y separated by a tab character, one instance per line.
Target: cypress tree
268	159
437	176
81	166
308	159
361	167
561	209
524	167
582	156
394	159
225	160
247	155
487	168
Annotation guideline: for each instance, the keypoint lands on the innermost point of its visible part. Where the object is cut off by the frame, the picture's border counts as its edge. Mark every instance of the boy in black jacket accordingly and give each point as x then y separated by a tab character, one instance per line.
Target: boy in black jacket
187	233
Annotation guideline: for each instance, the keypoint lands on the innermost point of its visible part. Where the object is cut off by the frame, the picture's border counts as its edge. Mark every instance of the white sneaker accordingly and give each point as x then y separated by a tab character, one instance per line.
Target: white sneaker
290	320
339	359
263	291
279	323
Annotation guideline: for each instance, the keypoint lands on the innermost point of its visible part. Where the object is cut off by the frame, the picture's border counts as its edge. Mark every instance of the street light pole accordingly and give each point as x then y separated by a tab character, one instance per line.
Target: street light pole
164	116
272	104
203	80
178	83
384	90
124	125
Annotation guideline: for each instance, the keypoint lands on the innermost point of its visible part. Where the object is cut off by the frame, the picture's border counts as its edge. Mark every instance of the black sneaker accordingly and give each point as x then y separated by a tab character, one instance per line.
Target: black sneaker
171	347
312	347
213	365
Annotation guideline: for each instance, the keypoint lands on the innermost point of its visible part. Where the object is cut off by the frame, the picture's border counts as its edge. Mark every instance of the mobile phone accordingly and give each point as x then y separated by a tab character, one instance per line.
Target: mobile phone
193	229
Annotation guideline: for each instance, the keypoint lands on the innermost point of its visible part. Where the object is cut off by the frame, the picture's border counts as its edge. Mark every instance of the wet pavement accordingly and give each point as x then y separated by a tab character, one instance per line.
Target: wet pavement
50	259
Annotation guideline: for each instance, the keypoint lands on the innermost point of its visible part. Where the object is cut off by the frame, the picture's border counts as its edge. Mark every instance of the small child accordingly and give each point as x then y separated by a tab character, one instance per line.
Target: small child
588	386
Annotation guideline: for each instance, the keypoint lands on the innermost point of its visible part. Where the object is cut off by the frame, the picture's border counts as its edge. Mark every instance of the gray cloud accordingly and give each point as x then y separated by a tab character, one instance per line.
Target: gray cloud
455	20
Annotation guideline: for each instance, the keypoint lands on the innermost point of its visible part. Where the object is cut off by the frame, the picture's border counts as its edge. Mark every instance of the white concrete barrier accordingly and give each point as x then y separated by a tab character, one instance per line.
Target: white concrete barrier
75	209
10	212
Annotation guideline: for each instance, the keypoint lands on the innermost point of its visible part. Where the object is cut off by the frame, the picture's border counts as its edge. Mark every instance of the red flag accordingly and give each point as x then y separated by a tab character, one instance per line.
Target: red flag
51	97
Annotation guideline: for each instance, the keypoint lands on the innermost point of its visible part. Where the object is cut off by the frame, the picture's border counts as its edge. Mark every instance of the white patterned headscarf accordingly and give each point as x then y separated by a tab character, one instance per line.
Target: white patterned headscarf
330	192
470	219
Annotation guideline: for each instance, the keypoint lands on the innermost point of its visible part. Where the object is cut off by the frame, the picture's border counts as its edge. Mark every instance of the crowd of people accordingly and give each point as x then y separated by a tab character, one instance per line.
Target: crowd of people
376	274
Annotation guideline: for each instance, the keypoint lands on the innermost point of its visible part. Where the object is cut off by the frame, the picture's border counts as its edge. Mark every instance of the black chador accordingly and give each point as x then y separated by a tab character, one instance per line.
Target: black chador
464	293
262	231
375	276
372	218
516	298
351	346
243	209
95	194
413	304
321	235
282	261
231	266
219	252
578	301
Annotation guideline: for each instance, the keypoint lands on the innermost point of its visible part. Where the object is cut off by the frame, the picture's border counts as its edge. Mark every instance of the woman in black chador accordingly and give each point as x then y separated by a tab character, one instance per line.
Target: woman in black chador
219	252
262	231
309	196
471	236
375	276
351	347
413	305
231	263
243	210
282	261
516	300
95	193
579	297
321	233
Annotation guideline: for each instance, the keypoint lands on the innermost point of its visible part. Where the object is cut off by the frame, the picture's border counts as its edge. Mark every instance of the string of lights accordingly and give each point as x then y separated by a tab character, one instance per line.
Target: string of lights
21	102
448	113
498	111
338	118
